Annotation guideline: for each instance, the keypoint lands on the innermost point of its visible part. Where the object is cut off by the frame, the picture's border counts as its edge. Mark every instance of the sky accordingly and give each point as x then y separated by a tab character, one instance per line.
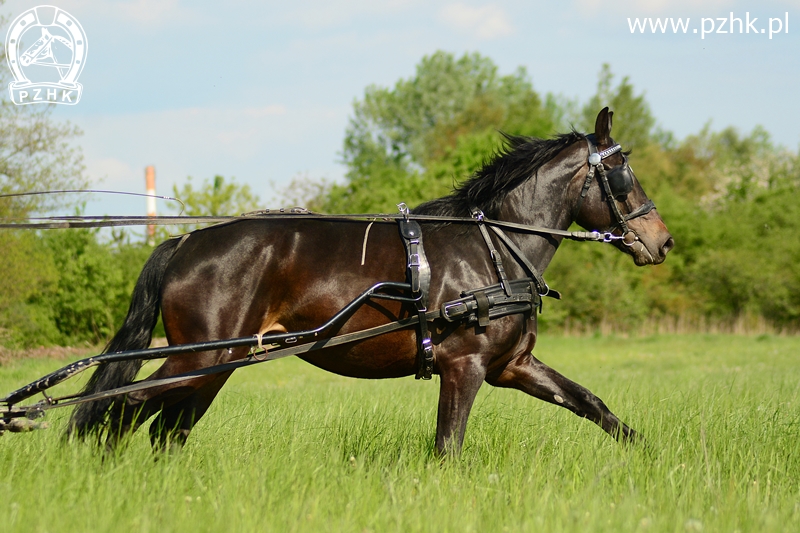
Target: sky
261	91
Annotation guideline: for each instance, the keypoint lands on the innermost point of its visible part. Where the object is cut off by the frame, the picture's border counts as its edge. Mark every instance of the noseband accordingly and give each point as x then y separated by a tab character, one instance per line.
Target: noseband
617	183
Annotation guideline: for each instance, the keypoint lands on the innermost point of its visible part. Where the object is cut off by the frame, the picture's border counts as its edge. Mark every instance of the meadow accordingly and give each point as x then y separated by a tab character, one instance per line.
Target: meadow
287	447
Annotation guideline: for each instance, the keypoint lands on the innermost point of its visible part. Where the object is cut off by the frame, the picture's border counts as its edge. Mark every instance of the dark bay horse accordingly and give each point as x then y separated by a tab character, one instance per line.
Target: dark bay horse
283	275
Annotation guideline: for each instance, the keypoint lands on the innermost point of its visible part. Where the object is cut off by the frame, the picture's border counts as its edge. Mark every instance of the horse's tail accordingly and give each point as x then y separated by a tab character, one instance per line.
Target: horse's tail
135	334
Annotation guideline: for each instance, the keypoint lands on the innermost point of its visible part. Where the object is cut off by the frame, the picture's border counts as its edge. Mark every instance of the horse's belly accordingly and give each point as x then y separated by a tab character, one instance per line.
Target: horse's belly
392	355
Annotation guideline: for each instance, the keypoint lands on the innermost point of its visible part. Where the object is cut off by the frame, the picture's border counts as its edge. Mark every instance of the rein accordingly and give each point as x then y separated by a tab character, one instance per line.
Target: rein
66	222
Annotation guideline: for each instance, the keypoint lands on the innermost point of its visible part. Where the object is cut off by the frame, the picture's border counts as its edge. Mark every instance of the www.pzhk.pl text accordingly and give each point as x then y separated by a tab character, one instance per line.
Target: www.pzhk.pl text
714	25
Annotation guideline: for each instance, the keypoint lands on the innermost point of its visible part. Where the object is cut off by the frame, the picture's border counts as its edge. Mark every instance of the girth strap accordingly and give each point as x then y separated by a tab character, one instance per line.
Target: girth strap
419	276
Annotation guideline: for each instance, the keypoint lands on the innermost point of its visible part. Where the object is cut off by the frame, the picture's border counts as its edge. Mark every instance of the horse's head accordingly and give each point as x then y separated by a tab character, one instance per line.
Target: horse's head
610	198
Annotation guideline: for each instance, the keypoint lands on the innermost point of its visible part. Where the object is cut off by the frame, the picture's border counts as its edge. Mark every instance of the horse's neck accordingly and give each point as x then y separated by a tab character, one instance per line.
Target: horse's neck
538	202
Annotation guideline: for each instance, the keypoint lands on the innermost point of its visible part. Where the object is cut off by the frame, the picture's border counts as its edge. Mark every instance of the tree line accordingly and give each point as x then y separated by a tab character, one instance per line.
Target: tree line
729	199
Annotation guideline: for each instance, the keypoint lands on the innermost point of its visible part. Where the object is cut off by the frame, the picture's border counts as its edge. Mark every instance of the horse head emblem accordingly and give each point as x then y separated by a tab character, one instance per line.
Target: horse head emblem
46	51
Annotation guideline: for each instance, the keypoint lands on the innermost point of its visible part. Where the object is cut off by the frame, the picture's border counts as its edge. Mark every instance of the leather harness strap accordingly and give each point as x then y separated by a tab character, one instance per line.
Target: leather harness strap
542	289
477	214
541	286
419	277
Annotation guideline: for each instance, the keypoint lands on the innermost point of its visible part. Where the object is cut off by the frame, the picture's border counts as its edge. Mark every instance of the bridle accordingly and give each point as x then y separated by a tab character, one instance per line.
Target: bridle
617	183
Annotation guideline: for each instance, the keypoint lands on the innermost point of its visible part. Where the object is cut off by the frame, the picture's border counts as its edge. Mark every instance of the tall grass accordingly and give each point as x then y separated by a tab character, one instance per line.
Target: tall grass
287	447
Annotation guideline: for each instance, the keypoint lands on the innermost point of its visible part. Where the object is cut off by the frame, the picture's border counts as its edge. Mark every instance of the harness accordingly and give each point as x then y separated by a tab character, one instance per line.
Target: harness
617	183
474	307
419	277
477	305
515	296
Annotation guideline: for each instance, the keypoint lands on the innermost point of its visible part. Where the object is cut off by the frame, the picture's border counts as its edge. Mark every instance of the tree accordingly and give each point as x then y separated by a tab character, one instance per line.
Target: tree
216	197
36	154
411	142
634	122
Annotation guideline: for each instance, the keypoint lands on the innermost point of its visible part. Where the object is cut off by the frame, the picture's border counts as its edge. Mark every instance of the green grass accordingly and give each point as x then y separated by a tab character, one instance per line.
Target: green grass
287	447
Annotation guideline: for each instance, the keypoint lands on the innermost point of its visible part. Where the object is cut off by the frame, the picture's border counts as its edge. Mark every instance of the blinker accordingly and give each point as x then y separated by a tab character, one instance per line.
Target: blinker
620	180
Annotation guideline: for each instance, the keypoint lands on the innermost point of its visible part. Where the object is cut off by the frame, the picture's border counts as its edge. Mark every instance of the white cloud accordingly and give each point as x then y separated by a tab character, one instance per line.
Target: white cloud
267	111
487	22
150	11
652	6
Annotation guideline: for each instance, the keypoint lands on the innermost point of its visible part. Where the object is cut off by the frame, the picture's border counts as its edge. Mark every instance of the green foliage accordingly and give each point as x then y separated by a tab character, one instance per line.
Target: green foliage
86	296
411	142
28	268
216	197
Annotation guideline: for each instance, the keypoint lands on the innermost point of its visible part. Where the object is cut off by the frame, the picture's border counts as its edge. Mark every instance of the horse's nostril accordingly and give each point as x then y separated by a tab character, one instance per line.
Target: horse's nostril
667	246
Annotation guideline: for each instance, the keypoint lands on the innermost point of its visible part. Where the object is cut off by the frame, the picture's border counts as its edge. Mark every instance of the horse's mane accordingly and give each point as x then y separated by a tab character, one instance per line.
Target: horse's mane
518	160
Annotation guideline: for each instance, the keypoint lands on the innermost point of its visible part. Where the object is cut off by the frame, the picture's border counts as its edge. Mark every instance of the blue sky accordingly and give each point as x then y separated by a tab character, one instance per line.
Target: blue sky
262	91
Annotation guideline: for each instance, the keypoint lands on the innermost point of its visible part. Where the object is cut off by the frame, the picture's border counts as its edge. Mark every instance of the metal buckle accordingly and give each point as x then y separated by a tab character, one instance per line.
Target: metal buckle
403	209
452	311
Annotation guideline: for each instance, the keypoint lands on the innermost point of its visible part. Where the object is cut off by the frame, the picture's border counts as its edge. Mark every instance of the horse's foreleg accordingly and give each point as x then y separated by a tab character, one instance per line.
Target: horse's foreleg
528	374
459	386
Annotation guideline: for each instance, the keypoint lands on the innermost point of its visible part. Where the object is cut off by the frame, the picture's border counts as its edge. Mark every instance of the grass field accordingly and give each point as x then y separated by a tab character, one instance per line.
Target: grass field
287	447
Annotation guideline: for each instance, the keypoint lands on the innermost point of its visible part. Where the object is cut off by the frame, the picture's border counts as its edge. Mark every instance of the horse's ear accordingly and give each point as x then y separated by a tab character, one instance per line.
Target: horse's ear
602	126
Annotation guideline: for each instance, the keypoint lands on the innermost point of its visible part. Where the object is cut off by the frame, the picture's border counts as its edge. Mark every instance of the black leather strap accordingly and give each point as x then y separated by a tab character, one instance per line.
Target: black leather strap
483	308
541	285
419	277
477	214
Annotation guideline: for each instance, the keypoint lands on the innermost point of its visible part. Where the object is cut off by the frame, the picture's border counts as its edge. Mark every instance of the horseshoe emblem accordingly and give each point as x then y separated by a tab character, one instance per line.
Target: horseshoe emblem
46	52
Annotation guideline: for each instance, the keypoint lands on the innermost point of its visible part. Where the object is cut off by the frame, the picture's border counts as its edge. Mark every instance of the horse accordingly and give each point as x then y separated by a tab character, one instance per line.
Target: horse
262	276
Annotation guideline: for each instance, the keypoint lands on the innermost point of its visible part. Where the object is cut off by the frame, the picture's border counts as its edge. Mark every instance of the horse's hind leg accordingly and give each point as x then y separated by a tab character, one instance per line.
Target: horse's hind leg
528	374
179	405
170	429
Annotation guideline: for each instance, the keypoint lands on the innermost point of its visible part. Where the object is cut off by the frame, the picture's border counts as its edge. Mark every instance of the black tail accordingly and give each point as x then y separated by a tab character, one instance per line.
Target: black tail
135	334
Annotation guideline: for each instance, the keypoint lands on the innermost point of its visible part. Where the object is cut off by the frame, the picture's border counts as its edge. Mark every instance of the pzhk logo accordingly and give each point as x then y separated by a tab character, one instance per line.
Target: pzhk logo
46	50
